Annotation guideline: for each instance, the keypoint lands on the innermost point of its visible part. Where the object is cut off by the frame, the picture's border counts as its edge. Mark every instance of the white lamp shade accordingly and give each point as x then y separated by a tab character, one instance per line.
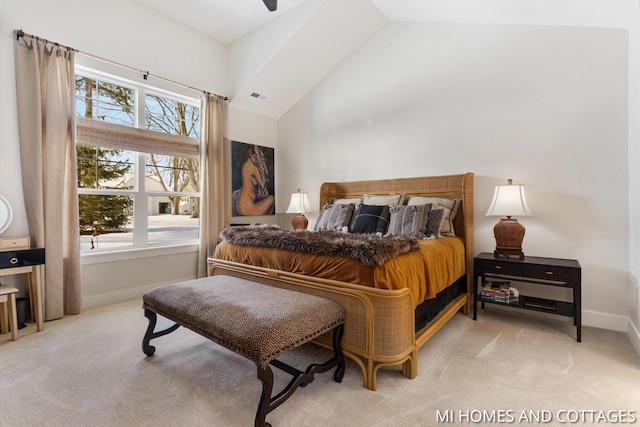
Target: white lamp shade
509	200
299	203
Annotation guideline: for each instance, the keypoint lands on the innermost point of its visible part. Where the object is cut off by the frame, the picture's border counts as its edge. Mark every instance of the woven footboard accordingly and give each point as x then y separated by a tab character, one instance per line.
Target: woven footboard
379	327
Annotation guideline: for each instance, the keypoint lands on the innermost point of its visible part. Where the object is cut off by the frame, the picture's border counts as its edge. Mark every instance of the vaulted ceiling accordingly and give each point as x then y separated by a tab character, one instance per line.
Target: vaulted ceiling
277	57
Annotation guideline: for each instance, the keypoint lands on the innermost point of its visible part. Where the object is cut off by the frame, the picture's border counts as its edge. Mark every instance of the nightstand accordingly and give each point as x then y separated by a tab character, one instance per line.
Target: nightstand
18	257
564	273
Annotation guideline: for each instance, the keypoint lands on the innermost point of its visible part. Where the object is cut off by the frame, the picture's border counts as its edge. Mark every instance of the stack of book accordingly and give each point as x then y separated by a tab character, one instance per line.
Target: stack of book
498	291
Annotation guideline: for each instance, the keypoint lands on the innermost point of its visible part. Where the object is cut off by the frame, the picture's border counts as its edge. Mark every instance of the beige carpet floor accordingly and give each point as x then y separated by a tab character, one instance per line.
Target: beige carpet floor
89	370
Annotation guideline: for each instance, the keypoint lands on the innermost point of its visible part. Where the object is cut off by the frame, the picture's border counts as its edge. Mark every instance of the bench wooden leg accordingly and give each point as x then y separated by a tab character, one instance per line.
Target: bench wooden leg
300	379
337	352
149	335
265	375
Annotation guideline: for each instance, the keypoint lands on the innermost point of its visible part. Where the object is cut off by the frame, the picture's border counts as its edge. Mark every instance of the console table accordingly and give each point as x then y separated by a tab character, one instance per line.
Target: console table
17	257
537	270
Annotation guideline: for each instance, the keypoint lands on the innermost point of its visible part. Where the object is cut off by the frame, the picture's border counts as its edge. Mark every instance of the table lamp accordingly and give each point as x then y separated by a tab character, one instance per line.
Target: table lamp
509	200
299	205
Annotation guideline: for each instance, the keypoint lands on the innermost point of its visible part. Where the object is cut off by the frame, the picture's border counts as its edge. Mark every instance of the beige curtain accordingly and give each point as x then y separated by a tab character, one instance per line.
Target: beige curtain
212	203
46	123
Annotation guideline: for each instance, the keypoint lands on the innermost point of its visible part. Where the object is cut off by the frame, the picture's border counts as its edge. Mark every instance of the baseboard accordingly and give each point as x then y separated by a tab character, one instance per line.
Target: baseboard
634	336
108	298
589	318
605	321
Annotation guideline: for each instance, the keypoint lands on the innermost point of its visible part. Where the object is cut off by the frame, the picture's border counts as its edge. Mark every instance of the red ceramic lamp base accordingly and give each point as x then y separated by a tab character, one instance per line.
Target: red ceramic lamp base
509	234
299	222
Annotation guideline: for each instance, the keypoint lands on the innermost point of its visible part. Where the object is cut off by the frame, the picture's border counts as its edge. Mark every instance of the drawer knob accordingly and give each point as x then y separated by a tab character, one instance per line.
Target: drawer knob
13	261
550	273
498	267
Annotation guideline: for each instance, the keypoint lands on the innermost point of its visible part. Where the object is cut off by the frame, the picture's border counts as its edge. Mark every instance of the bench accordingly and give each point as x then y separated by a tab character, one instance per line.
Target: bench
256	321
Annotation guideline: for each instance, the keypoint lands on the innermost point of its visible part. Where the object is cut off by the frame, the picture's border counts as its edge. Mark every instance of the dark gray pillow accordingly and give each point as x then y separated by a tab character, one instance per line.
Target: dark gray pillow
435	222
409	221
334	217
371	219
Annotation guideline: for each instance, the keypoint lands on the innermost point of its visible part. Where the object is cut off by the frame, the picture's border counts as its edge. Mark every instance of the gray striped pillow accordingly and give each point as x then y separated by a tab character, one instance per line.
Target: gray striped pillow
334	217
409	221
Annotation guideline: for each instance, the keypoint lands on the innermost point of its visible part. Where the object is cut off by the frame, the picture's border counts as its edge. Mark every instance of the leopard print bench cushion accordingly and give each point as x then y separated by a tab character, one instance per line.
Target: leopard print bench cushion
257	321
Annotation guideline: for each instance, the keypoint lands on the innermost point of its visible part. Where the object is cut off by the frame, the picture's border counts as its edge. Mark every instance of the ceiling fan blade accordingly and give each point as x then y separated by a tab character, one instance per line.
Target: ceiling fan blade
271	4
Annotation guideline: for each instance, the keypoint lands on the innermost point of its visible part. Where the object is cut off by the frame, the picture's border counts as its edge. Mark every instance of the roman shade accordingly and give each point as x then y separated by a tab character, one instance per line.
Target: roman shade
121	137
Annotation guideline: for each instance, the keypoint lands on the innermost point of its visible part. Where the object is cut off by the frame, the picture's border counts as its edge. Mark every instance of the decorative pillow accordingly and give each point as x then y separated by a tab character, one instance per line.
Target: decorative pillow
409	221
434	222
355	200
447	228
334	217
371	219
392	200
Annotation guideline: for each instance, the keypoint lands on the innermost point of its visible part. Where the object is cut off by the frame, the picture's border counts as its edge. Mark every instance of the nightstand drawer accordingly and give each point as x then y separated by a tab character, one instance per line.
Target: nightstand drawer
498	266
14	243
552	272
21	258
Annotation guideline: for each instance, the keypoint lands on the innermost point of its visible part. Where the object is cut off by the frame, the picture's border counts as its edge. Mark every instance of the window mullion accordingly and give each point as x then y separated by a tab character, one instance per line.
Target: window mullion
141	207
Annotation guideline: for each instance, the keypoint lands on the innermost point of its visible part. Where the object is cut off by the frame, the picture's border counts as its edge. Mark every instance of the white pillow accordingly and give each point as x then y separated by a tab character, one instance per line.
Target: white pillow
377	200
355	200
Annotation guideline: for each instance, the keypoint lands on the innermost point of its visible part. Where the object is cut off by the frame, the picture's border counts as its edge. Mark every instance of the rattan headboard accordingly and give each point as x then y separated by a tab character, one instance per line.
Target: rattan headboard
455	186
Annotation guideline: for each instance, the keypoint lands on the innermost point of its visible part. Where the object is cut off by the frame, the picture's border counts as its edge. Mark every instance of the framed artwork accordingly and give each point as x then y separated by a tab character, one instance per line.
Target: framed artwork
252	183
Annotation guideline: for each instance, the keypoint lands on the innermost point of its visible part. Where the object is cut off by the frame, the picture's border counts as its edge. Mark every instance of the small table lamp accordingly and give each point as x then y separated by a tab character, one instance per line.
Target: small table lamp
509	200
299	205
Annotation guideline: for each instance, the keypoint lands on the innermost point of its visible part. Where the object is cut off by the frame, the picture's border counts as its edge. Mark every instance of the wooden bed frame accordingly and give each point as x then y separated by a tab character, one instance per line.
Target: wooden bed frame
380	324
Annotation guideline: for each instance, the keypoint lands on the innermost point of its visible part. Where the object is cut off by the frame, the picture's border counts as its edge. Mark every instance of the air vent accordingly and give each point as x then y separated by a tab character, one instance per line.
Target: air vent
255	95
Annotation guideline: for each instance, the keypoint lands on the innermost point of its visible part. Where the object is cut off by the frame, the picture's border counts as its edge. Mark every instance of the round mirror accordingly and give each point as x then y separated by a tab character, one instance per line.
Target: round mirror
5	214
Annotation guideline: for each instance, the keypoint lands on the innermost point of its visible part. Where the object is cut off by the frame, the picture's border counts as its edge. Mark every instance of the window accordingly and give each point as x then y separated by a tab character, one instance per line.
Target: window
138	165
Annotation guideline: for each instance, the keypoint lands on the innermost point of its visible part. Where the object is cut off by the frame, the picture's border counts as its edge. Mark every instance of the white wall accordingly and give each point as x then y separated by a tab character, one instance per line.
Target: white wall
545	106
634	178
130	34
11	182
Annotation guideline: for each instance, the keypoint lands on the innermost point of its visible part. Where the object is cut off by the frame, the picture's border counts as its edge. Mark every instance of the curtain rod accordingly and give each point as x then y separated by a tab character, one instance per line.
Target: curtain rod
145	74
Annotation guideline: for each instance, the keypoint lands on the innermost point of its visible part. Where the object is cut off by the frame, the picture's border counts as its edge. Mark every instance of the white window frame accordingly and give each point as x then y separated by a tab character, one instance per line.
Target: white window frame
140	247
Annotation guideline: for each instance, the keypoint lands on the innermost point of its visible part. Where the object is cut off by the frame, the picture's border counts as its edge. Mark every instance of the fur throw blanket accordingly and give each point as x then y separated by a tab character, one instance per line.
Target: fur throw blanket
369	249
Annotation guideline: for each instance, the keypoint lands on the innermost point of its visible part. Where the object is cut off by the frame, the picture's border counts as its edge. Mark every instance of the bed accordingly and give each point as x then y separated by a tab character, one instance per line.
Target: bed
391	318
